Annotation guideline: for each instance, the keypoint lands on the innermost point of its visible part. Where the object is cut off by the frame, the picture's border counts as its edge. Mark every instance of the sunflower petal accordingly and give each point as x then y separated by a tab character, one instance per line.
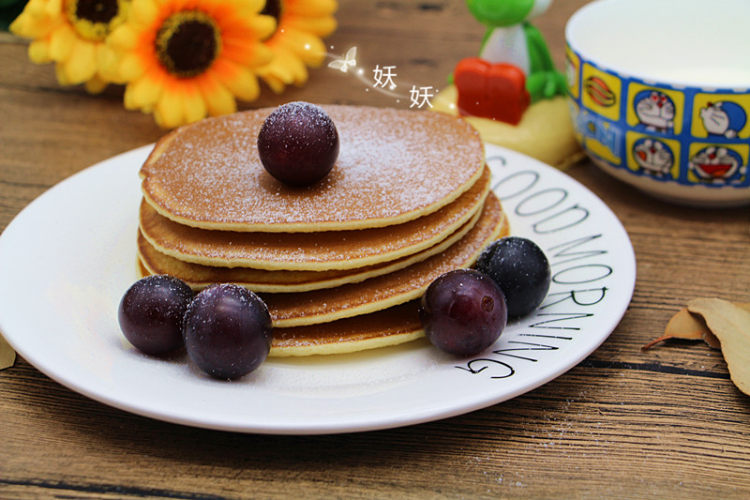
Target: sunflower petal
96	85
240	81
276	77
36	8
131	67
168	112
194	105
315	8
275	84
106	61
143	11
297	67
39	51
29	26
124	37
246	52
61	43
81	65
254	6
20	25
62	77
143	93
263	26
320	26
219	100
285	69
238	9
308	47
54	8
246	87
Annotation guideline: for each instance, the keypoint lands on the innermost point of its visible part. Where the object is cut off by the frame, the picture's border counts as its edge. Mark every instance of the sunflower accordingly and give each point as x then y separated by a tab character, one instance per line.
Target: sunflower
72	34
296	43
185	59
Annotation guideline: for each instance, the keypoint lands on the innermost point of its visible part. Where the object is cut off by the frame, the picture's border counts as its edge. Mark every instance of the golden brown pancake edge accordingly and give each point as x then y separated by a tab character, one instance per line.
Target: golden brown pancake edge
323	306
429	159
198	276
311	251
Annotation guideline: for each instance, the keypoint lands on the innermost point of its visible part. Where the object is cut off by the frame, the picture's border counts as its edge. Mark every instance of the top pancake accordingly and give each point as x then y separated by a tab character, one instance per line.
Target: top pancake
393	166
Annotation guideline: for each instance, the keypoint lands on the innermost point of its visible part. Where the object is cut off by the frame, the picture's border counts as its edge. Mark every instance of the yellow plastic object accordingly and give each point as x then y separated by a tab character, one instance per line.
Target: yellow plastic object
545	131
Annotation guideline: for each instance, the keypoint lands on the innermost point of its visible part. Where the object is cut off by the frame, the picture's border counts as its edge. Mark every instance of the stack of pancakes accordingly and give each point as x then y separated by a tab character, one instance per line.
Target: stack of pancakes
341	264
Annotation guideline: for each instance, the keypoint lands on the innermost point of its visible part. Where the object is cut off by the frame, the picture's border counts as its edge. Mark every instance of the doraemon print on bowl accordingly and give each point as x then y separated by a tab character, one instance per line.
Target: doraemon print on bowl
660	95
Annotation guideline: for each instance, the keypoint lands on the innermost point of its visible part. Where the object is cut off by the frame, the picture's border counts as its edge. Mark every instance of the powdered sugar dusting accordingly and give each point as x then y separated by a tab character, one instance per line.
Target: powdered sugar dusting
391	163
352	246
299	110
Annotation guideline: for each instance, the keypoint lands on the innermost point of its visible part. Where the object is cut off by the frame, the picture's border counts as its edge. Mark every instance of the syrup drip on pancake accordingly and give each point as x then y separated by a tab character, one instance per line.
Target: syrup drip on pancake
188	43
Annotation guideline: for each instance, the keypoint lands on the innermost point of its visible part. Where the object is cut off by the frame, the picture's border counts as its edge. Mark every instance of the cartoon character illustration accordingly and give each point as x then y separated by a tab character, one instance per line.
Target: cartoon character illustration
717	164
723	118
510	38
653	156
655	110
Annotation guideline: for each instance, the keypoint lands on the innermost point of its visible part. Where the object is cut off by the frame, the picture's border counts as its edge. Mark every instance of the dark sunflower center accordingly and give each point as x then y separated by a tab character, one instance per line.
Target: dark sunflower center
97	11
188	43
95	19
273	8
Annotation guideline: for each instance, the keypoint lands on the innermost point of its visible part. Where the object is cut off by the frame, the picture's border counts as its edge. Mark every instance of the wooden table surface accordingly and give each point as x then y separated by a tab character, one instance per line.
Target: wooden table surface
623	423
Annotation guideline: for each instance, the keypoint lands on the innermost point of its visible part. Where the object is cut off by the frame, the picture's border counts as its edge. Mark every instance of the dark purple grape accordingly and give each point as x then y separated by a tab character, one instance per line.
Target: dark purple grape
298	143
463	312
227	331
521	270
151	311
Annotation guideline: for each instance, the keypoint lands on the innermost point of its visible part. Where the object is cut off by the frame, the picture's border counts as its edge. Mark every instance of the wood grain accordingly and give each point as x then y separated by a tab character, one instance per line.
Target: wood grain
622	424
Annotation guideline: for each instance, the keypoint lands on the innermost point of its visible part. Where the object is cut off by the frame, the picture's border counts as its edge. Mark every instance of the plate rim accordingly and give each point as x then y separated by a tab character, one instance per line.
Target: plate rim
397	420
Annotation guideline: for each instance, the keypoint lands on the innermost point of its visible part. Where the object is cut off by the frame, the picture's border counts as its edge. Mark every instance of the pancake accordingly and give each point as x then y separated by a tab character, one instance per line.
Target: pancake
311	251
389	327
382	292
198	276
394	166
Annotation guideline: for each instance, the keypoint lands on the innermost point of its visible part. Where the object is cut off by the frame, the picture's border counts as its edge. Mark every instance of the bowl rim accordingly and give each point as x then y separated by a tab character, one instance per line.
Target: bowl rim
619	71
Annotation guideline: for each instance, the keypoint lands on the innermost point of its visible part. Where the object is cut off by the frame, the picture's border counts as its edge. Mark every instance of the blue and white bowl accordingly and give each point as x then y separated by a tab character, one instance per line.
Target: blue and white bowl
660	95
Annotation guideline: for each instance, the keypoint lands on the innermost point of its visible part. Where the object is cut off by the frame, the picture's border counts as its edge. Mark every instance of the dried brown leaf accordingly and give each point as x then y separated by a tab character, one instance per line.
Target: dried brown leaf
731	325
684	325
687	326
7	354
711	340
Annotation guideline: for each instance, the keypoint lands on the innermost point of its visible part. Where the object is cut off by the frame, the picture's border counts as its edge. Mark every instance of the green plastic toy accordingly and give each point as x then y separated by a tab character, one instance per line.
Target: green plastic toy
510	38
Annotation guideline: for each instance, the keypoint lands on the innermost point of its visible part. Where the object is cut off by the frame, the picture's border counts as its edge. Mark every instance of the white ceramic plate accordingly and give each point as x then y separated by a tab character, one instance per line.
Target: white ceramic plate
66	260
